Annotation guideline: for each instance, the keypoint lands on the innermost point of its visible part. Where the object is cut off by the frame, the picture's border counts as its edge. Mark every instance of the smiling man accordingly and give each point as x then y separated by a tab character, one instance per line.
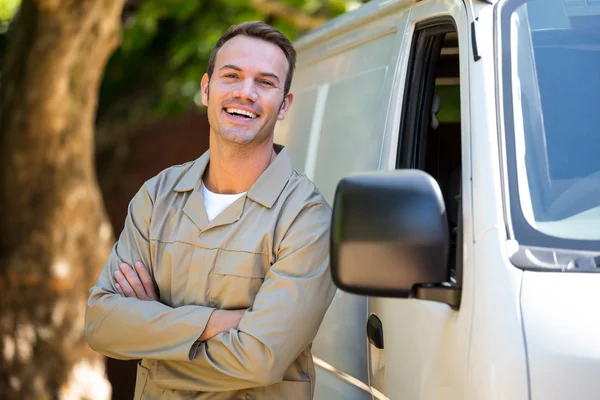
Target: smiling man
220	280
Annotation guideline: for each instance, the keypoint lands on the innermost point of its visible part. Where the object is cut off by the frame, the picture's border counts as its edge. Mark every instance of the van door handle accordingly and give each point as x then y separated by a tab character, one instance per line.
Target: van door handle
375	331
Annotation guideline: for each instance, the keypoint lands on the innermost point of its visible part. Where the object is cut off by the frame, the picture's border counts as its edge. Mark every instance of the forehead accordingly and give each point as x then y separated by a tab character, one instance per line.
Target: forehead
252	55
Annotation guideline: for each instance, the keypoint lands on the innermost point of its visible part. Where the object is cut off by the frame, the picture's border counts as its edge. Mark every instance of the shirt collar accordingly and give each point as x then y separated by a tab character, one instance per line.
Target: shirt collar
264	191
271	182
193	175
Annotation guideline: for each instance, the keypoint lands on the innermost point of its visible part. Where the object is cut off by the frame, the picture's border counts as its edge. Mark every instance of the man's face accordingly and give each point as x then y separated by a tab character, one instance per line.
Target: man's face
245	94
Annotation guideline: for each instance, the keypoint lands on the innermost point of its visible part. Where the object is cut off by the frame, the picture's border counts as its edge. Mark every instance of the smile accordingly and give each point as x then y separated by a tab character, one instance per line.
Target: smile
240	113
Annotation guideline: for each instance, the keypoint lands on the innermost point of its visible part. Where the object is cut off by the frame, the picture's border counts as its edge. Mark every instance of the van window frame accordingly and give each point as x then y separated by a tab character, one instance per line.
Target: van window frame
416	108
414	111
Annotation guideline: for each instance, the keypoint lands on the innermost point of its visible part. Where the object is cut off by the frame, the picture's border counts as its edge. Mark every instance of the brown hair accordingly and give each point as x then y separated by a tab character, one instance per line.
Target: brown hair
262	31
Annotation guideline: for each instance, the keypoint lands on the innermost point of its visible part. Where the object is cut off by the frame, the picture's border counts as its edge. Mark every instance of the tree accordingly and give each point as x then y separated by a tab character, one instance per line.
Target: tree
54	234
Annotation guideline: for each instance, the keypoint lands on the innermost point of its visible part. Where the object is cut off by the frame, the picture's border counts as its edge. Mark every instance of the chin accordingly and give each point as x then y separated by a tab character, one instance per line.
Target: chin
238	137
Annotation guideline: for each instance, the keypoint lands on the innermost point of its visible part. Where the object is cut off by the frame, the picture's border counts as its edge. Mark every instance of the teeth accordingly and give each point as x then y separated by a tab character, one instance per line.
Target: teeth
238	111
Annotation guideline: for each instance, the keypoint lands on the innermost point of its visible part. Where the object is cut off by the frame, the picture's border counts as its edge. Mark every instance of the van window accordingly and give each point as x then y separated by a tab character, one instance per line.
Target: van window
550	59
430	137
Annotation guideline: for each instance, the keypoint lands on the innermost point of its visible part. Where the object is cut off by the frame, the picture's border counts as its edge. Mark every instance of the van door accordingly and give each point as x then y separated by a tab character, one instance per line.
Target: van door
418	348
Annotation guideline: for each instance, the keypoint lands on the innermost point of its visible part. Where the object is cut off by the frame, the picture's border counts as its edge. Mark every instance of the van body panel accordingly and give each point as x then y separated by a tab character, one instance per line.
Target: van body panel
332	384
323	126
562	330
353	21
497	356
357	65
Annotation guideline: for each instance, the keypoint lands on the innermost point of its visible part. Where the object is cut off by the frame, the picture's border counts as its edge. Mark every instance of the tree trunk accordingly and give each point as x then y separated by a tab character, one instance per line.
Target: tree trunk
54	233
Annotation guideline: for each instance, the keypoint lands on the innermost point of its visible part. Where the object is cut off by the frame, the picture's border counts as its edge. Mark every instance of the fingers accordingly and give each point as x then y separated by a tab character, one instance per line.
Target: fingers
134	280
135	283
122	284
119	290
146	280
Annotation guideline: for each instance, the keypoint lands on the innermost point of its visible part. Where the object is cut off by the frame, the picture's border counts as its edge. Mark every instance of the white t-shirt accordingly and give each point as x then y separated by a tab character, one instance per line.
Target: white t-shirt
215	203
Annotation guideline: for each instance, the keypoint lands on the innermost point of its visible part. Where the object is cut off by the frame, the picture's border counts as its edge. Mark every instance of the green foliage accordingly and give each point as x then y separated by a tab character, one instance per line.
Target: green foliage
8	9
167	43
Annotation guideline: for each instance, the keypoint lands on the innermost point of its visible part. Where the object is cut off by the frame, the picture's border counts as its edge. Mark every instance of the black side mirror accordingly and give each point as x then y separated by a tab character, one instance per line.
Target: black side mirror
389	235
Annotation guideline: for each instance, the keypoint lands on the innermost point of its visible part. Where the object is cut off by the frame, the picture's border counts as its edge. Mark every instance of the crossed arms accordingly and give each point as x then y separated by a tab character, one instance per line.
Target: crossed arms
283	321
139	284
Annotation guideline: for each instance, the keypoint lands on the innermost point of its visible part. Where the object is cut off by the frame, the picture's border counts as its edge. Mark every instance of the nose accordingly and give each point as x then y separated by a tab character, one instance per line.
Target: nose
246	90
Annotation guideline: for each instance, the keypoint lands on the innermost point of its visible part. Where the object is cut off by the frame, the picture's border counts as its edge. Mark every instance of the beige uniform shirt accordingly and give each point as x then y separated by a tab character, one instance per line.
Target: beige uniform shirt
268	252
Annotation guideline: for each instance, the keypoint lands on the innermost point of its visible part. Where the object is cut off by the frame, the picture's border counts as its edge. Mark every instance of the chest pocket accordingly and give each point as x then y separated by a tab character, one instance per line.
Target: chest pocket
236	278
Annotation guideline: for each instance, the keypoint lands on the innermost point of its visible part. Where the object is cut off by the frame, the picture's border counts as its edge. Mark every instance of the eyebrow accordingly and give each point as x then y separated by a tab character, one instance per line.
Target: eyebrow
230	66
235	67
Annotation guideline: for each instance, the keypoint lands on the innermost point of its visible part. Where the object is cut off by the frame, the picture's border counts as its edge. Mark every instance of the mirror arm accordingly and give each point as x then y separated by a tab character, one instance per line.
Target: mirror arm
440	293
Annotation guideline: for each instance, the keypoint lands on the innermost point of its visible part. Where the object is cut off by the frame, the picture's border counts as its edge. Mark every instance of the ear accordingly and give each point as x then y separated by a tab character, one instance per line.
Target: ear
285	106
204	86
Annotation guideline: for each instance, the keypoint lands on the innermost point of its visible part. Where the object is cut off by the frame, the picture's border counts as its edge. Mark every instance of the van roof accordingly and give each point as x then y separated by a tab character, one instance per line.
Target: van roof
351	20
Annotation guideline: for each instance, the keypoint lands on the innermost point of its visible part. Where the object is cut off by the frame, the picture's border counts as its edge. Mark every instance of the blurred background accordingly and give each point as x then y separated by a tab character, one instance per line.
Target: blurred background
95	98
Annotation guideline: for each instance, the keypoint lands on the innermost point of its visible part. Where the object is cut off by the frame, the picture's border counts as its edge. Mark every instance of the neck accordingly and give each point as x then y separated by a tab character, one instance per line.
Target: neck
234	168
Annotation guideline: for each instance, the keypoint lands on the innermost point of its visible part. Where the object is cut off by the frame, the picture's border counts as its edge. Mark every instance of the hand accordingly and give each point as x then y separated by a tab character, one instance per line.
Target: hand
132	284
221	321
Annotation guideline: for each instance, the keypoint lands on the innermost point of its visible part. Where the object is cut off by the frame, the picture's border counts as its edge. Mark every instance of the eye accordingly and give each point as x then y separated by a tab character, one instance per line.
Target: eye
267	83
230	76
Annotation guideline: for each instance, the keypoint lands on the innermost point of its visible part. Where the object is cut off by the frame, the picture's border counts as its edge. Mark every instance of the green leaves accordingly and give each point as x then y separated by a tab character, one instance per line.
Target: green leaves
8	8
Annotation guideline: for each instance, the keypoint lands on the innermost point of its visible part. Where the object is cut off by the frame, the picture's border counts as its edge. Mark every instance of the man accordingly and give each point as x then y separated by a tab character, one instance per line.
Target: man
236	243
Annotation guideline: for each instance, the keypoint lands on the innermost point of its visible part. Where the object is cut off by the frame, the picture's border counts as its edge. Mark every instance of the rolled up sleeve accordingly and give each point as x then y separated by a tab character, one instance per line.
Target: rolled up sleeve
128	328
282	322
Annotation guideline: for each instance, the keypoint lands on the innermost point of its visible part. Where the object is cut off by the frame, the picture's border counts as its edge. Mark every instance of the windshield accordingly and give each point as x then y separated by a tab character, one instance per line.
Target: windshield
550	53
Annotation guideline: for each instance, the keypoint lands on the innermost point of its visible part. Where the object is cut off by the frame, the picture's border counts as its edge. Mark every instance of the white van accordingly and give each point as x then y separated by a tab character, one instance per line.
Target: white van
477	278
